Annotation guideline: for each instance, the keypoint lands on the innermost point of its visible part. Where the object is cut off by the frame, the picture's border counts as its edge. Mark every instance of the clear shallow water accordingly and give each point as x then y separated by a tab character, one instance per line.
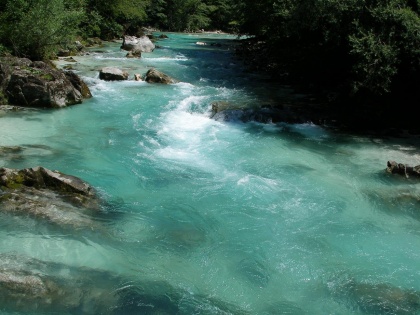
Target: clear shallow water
275	219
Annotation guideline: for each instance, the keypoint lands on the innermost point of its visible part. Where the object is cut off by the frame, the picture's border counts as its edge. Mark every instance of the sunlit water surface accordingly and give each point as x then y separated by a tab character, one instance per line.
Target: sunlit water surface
273	218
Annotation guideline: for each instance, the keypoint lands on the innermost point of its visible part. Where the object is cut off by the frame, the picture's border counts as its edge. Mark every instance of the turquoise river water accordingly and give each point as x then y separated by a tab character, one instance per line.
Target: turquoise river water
265	218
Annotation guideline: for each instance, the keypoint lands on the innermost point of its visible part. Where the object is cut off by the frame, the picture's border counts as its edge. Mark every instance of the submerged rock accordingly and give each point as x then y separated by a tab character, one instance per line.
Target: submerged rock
29	285
155	76
379	298
283	308
113	74
131	54
403	169
225	111
11	153
38	84
254	271
137	44
41	193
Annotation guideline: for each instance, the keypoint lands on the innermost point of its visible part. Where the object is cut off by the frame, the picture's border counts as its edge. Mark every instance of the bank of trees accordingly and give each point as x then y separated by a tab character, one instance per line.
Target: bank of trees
360	46
366	45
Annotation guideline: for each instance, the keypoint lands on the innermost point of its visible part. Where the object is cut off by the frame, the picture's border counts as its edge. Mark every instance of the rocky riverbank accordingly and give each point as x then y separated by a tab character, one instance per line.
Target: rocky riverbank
39	84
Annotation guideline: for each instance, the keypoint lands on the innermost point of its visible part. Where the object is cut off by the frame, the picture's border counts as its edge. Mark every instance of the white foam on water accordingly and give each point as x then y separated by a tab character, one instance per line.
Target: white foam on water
166	58
185	87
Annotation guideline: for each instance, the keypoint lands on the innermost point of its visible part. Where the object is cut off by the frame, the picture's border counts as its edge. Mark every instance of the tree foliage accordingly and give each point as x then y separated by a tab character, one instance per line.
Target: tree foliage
35	28
370	45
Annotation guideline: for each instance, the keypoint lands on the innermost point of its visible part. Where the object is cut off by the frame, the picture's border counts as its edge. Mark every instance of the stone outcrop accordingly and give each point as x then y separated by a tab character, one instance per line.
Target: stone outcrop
38	84
378	298
403	169
113	74
42	178
38	192
137	44
155	76
79	84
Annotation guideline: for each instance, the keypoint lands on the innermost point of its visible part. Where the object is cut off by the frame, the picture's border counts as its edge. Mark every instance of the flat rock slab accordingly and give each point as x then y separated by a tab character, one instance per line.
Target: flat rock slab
38	192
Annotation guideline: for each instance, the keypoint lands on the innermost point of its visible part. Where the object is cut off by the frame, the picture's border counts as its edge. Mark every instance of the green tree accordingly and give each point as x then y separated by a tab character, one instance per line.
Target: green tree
114	17
36	28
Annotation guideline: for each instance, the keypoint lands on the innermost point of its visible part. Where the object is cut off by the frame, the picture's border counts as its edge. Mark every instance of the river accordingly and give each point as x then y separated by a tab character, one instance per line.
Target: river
271	218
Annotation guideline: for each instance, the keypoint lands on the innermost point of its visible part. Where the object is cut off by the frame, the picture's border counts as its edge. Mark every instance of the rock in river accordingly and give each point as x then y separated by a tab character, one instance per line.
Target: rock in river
113	74
38	84
137	44
50	195
155	76
403	169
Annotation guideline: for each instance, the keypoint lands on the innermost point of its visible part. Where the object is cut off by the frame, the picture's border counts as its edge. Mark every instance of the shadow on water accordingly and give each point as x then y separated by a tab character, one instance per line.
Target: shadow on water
216	64
38	287
398	201
254	271
283	308
376	298
180	228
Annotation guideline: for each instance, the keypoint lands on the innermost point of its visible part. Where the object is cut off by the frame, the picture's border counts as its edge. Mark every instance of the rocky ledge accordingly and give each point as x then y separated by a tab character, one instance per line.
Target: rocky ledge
38	192
39	84
403	169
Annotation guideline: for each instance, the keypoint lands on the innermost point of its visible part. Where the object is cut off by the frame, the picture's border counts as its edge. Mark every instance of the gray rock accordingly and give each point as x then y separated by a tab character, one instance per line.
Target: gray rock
155	76
136	54
78	84
37	84
403	169
113	74
137	44
56	197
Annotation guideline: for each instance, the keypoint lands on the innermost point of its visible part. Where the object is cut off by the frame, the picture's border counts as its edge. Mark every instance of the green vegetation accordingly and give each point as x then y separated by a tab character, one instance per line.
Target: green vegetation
3	99
35	28
360	49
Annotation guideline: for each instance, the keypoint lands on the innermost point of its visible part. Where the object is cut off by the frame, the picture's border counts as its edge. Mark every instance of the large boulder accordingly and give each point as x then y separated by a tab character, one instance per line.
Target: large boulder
40	193
39	84
79	84
137	44
113	74
155	76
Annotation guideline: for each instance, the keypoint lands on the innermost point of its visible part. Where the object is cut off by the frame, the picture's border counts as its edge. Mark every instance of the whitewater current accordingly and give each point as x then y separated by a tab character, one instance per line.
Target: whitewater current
270	218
